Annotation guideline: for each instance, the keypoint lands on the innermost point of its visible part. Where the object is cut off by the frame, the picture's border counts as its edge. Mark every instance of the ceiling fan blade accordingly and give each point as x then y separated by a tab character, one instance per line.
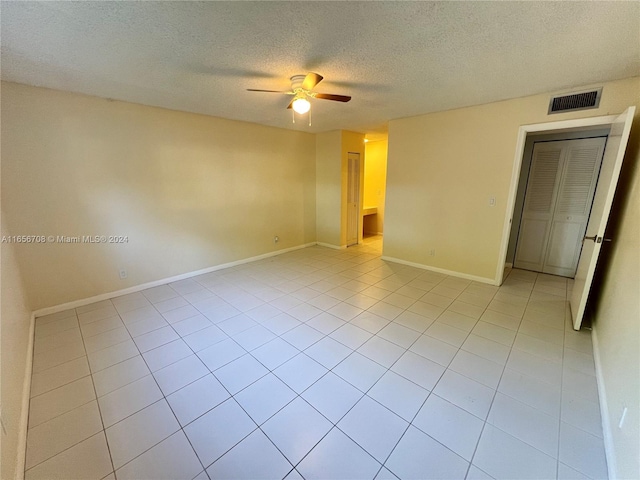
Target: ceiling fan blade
311	80
330	96
269	91
291	104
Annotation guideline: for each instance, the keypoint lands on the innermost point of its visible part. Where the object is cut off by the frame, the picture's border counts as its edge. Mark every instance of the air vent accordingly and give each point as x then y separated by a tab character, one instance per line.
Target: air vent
575	101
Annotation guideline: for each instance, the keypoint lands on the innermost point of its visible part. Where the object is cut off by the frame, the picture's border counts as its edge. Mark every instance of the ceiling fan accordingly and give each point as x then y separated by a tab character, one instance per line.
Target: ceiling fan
301	89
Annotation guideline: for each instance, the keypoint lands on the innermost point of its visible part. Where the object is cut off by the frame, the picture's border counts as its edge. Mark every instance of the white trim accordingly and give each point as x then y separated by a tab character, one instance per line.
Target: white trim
508	265
26	395
571	124
511	200
163	281
329	245
440	270
523	131
609	449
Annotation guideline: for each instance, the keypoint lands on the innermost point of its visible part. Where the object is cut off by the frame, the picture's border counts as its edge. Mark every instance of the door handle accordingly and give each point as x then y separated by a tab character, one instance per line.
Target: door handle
596	239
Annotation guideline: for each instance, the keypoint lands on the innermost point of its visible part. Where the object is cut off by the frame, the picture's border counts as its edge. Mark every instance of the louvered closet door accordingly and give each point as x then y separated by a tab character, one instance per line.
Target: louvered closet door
353	198
562	181
578	181
540	199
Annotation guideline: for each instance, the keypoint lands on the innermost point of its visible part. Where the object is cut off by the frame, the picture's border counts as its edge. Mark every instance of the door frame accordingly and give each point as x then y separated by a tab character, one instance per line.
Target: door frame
523	131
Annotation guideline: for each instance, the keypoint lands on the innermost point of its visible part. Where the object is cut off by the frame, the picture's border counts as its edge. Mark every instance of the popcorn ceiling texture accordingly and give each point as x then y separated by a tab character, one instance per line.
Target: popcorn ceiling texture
395	59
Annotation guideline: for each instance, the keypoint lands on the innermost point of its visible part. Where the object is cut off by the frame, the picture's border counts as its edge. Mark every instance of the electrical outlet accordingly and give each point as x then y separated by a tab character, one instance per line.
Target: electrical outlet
276	239
432	252
123	273
492	201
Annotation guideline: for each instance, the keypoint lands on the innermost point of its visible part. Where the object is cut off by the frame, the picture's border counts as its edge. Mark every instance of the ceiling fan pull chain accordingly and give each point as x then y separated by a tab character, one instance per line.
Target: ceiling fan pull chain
293	115
309	117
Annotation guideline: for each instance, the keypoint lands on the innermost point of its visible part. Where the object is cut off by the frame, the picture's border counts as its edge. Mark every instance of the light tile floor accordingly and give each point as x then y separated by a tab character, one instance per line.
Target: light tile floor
318	363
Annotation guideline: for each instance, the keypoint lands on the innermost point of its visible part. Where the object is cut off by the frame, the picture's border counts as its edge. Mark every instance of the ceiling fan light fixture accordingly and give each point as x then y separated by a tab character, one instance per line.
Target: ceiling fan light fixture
301	105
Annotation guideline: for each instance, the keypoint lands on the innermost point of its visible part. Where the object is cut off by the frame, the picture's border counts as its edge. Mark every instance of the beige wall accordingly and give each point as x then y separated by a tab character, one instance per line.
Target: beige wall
443	168
15	323
328	187
375	182
617	313
189	191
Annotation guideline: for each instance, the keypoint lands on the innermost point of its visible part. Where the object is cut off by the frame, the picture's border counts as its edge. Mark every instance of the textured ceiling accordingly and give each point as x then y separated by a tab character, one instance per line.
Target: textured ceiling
395	59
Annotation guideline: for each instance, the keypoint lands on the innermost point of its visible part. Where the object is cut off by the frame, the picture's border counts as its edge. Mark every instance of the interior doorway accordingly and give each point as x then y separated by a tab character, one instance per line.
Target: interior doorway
555	193
374	188
620	128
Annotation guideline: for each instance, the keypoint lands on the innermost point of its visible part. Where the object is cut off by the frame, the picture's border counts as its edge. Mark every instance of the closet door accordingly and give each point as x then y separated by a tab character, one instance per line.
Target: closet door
540	199
353	198
579	176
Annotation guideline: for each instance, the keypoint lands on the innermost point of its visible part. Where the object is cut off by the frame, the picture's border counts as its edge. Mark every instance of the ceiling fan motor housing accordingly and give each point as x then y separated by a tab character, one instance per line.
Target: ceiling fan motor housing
296	82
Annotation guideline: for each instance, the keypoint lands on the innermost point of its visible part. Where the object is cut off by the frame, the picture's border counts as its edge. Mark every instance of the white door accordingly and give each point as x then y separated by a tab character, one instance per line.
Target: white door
353	198
607	182
558	200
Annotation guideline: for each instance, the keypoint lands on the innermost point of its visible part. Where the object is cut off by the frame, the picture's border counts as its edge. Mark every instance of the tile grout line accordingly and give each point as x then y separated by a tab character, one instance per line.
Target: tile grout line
557	460
485	420
104	430
63	413
164	397
354	293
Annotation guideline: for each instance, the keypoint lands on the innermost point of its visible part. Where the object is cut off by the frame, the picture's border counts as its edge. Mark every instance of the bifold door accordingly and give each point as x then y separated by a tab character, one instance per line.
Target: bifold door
560	189
353	198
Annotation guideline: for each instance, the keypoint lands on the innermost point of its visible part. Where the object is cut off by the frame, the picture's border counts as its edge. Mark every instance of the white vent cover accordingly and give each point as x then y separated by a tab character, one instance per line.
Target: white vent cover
575	101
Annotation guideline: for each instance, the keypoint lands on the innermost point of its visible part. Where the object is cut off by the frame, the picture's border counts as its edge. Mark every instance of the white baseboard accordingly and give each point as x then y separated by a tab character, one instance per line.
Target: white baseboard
508	265
609	450
441	270
163	281
26	395
329	245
